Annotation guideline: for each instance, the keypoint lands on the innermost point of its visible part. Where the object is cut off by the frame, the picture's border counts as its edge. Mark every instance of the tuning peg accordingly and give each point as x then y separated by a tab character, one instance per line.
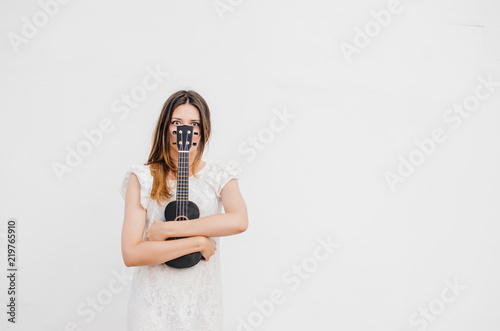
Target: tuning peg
175	132
174	143
194	144
196	133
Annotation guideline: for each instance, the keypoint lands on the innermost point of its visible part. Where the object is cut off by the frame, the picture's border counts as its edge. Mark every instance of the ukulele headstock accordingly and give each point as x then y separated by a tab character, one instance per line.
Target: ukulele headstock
184	137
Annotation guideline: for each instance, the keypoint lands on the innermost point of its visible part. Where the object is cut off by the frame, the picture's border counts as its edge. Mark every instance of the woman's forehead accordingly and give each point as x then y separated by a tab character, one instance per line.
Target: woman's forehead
186	111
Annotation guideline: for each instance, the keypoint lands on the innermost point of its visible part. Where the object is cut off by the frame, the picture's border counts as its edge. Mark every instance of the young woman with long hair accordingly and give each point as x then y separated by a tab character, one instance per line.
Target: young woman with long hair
162	297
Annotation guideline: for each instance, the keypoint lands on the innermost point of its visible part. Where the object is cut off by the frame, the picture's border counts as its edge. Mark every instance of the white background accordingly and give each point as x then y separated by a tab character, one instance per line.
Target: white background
322	174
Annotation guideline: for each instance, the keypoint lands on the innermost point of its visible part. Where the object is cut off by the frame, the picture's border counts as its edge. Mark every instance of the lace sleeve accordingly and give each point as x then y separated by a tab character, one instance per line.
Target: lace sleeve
227	171
145	180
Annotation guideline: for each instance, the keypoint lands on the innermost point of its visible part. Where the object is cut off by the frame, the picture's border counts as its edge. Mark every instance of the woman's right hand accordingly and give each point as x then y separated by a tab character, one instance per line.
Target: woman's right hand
208	247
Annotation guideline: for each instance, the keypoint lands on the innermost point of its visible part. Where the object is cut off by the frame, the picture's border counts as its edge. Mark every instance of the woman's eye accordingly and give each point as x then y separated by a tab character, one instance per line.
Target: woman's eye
175	122
196	124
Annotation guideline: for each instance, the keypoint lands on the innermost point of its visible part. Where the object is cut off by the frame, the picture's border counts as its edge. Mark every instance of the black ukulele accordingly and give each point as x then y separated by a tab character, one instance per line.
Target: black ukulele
181	208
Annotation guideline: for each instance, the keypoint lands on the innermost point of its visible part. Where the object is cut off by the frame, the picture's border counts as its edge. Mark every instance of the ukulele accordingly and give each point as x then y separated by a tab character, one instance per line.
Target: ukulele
181	209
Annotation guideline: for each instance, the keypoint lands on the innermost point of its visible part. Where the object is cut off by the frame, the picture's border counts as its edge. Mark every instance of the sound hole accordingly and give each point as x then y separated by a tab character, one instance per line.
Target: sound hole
181	218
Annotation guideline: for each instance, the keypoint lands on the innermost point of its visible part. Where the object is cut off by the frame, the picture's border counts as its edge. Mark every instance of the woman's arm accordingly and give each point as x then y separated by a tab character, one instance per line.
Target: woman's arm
137	252
233	221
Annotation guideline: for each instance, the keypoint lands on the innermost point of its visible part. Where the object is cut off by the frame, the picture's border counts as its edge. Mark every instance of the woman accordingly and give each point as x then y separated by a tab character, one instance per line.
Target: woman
163	297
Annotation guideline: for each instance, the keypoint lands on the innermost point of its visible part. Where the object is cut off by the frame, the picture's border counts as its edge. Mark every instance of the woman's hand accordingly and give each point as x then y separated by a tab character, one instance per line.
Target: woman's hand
157	231
208	247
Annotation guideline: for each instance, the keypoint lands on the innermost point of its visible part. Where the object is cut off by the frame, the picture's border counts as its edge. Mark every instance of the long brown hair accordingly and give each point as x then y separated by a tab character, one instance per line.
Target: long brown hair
160	161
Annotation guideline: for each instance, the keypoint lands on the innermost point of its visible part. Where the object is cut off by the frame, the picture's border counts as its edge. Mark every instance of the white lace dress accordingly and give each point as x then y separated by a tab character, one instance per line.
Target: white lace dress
190	299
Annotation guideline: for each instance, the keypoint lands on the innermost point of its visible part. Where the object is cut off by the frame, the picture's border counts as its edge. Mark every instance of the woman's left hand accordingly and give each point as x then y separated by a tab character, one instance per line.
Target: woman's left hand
157	231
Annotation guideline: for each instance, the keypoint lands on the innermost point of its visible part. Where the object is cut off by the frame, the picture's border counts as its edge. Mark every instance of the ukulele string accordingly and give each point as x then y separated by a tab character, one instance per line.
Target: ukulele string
184	178
181	184
184	186
186	183
182	181
177	211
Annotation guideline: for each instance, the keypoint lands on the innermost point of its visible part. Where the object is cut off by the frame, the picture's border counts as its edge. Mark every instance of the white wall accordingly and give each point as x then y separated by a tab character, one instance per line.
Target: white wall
420	253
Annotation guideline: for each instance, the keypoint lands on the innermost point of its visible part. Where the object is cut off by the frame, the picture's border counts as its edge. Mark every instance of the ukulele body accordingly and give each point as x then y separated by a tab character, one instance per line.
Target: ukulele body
192	211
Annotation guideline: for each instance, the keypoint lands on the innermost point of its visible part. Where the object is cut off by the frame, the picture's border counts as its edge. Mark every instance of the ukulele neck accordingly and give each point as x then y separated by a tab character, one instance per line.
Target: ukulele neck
182	193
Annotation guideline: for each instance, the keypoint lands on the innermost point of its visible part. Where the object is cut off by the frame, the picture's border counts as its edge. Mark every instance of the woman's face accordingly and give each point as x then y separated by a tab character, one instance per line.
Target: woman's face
185	114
